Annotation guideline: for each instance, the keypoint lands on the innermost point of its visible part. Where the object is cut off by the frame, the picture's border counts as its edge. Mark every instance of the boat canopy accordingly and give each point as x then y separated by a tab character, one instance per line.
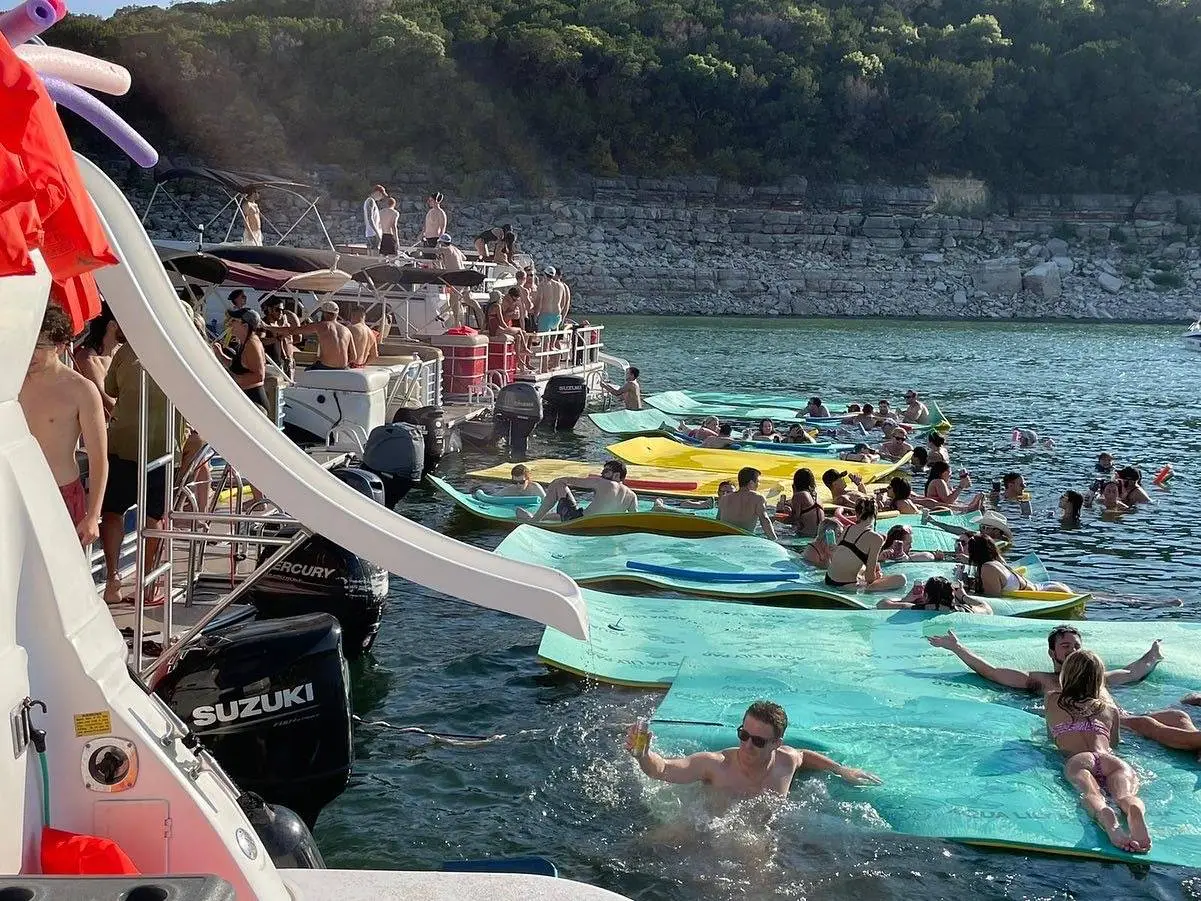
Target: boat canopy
388	275
291	259
194	265
234	182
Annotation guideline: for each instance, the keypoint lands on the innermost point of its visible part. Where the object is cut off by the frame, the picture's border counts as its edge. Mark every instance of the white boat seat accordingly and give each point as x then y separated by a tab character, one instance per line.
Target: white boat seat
364	381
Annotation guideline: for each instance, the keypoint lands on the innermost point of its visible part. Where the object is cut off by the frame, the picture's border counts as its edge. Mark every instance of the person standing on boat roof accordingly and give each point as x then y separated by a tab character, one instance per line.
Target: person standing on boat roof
746	507
630	392
371	222
389	224
550	301
761	764
915	411
252	219
60	406
333	338
435	220
609	495
364	347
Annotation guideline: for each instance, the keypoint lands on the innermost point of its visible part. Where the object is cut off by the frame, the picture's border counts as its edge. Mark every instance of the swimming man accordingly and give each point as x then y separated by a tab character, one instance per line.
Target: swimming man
746	506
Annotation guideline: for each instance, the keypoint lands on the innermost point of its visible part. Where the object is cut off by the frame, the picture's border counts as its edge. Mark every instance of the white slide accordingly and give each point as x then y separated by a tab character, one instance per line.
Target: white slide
182	363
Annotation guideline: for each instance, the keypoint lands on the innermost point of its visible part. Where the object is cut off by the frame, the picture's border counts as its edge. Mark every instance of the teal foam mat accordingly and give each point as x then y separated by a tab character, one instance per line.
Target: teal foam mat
634	423
605	558
742	405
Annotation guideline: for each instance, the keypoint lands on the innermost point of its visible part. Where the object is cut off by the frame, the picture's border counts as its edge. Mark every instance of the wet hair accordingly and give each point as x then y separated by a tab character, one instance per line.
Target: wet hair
1082	685
1058	632
1075	503
769	422
725	429
868	409
746	475
1130	474
617	467
94	337
900	488
520	471
939	469
980	550
56	325
938	593
920	456
1010	477
634	371
772	714
865	509
895	534
802	480
936	439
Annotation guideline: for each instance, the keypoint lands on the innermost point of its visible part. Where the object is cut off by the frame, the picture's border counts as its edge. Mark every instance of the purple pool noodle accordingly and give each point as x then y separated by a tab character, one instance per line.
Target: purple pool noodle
109	123
28	20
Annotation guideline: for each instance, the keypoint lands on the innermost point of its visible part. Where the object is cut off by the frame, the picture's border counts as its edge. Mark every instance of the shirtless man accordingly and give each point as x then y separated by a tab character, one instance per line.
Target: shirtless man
448	256
60	405
761	764
897	445
435	220
389	229
865	418
550	302
333	338
746	507
279	347
816	409
521	485
630	392
723	438
915	411
844	494
364	346
1014	486
609	495
709	428
252	218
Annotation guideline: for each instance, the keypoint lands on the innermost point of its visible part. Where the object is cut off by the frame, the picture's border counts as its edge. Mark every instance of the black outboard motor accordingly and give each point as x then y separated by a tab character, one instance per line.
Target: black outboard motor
285	837
433	425
563	401
323	577
394	452
518	410
271	700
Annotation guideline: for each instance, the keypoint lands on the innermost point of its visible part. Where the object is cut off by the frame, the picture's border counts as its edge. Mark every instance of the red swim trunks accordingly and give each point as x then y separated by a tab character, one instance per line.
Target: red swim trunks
76	500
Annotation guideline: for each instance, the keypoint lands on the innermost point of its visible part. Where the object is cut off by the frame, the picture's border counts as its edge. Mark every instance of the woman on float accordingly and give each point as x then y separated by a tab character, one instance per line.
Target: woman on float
938	489
937	595
817	552
766	431
898	548
989	576
859	553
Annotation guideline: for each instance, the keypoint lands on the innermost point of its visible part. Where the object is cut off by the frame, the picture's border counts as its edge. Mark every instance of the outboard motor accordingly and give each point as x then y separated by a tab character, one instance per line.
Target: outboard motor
285	837
323	577
432	421
271	700
394	453
517	411
563	401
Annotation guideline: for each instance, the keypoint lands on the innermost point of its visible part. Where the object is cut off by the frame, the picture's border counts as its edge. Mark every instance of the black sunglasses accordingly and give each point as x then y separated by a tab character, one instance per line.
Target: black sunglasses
757	740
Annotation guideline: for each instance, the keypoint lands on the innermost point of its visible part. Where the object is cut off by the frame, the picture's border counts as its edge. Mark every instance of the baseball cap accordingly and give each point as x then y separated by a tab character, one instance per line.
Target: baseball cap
444	239
250	317
551	270
995	520
830	476
328	306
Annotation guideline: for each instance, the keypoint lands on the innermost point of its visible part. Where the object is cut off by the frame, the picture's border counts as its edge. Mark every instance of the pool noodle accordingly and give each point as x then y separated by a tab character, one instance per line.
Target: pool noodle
109	123
77	68
28	20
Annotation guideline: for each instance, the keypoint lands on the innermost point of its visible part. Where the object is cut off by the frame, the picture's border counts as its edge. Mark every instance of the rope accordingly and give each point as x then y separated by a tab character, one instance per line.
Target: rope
45	789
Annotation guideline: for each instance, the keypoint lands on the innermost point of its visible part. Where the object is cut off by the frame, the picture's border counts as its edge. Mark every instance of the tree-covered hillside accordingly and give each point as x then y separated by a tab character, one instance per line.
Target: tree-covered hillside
1027	94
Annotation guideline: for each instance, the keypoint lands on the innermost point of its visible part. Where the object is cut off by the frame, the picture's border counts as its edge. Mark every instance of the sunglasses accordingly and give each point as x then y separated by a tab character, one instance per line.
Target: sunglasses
757	740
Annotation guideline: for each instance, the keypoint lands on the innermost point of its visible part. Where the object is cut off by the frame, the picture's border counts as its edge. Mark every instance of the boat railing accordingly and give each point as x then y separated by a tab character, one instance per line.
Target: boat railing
573	347
417	385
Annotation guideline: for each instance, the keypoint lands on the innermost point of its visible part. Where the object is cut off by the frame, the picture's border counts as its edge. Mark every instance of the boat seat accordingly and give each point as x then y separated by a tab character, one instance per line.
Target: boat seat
364	381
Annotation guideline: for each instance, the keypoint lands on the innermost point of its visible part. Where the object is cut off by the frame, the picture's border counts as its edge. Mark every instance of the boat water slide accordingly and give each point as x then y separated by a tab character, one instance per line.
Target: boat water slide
182	363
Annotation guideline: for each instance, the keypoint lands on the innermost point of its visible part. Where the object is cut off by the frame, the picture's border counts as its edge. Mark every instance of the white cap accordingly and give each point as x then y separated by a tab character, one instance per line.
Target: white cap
328	306
995	520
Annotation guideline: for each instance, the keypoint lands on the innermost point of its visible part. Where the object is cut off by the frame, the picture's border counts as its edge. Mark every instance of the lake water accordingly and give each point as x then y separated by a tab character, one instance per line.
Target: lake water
559	783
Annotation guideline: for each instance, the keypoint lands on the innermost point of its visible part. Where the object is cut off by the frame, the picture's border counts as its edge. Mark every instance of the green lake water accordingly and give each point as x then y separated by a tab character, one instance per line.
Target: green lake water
559	783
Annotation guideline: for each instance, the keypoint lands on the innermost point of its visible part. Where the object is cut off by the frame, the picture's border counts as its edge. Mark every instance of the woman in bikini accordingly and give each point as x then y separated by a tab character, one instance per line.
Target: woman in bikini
938	489
807	513
859	552
938	595
817	552
1083	721
936	448
991	577
898	547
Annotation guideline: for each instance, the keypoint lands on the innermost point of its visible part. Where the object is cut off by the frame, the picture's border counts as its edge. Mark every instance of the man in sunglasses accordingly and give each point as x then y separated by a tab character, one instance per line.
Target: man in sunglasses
609	495
761	763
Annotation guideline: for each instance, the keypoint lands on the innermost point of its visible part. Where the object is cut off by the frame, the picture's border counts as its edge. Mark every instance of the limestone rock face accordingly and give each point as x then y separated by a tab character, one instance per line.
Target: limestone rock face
1003	277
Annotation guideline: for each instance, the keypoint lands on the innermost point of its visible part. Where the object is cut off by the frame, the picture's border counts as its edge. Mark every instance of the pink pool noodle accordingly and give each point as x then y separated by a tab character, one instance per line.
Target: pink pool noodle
104	119
29	19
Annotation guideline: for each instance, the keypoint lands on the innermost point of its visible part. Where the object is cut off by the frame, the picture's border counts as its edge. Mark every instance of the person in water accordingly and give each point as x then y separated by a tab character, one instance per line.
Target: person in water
815	409
630	392
1070	505
746	507
860	453
724	437
938	595
766	431
859	553
896	445
864	419
915	411
936	448
1013	486
900	496
798	434
806	513
520	484
839	482
991	577
760	764
1111	498
919	461
1104	465
1062	642
1084	723
247	364
1130	481
609	495
938	489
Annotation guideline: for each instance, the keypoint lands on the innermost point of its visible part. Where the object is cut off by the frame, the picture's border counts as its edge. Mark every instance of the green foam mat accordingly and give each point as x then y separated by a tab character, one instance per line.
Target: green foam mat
673	521
960	760
742	405
631	423
603	558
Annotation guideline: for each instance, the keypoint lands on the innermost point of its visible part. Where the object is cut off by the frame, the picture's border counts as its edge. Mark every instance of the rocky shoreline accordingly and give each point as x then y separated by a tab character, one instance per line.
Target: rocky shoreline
702	247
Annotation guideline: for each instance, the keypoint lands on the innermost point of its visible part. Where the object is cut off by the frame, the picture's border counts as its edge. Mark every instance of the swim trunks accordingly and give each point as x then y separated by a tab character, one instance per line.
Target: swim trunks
567	510
548	322
76	500
387	246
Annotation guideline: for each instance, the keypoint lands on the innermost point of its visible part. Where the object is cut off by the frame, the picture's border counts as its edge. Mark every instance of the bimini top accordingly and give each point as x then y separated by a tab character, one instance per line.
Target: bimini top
277	256
192	264
234	182
386	275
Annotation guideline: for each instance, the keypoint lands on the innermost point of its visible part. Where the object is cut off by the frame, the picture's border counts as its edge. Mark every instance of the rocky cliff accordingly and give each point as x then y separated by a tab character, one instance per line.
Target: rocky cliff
701	246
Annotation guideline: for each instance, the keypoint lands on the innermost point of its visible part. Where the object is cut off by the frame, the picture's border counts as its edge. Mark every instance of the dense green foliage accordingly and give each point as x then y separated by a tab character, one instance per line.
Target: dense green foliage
1033	94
